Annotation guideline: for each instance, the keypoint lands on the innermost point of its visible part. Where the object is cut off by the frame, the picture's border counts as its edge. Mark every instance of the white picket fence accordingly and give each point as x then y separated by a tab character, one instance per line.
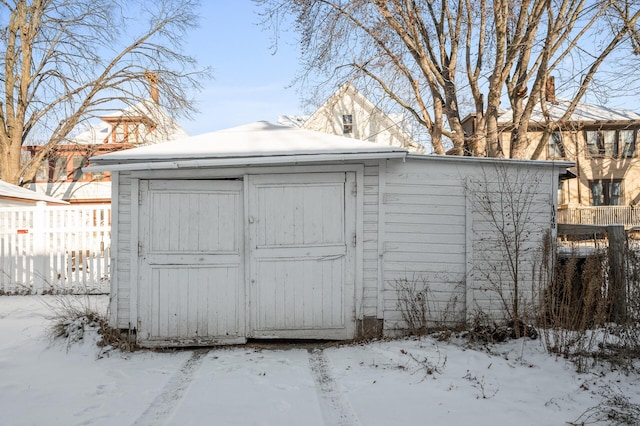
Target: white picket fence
55	249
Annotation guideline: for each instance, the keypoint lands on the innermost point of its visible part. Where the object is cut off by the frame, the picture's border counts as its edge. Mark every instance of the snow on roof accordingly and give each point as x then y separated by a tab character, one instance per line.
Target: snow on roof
93	135
259	139
583	113
167	129
293	120
8	190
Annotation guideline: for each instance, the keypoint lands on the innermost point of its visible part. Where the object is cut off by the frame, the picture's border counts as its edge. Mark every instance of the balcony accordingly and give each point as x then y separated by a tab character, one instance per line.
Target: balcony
600	215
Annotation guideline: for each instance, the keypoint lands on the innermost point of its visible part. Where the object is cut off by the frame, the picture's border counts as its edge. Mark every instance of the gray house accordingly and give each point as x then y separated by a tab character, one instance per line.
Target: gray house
267	231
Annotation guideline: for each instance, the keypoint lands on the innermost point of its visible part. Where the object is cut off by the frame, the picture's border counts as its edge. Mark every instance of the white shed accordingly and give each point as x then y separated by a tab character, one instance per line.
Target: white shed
267	231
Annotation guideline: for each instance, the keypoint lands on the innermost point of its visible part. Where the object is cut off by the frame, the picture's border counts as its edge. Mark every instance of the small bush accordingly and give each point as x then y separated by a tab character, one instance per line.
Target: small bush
423	311
484	330
413	304
72	316
615	409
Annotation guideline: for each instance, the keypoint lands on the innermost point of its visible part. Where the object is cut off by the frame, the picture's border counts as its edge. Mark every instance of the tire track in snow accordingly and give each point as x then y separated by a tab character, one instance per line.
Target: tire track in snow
335	408
159	411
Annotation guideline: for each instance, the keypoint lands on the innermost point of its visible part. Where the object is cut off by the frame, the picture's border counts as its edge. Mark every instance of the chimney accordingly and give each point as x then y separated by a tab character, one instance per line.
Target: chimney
550	90
152	78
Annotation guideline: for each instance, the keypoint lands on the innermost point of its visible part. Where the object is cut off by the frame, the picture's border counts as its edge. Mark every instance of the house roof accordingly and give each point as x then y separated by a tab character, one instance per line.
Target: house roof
584	113
14	192
395	123
293	120
259	142
166	127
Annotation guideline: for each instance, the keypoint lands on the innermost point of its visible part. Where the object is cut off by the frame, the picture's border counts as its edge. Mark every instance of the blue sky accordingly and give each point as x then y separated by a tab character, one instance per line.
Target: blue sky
249	83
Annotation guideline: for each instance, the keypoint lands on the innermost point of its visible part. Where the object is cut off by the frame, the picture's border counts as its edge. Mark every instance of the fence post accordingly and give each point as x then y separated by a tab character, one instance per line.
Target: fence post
40	266
617	293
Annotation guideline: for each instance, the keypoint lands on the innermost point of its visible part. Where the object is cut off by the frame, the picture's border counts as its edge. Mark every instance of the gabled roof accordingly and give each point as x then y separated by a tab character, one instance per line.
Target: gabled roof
259	142
393	123
14	192
584	113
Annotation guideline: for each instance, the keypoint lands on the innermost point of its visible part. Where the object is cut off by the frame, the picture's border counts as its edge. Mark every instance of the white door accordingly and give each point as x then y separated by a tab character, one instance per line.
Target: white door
191	267
301	246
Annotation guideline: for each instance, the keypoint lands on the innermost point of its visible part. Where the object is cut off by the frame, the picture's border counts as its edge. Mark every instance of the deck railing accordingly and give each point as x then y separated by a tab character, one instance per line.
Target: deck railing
600	215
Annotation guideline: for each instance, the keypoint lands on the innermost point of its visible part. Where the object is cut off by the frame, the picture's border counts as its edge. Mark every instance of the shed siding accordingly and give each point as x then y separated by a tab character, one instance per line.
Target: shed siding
439	236
420	223
527	193
424	240
370	241
123	254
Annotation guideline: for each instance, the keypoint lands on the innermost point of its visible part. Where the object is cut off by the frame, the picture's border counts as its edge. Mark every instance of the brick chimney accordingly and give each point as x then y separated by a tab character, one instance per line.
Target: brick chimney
152	78
550	90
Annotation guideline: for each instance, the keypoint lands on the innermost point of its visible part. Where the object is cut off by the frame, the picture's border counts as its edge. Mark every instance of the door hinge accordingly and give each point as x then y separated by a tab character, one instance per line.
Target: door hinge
139	198
354	240
354	189
139	249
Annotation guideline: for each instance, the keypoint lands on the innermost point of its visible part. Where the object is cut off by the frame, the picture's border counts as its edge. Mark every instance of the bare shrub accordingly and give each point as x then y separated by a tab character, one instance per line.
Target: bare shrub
419	307
72	316
577	310
615	409
485	330
506	203
633	282
412	304
480	384
429	367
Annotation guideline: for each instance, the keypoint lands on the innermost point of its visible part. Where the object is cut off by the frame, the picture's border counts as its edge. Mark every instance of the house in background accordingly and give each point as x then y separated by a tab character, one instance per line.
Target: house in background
16	196
602	142
350	114
143	124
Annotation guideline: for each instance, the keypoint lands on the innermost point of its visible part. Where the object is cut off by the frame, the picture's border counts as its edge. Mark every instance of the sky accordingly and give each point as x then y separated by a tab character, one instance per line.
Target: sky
249	83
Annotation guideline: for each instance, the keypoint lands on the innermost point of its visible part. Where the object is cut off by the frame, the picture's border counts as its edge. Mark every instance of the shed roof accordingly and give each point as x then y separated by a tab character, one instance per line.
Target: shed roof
259	142
14	192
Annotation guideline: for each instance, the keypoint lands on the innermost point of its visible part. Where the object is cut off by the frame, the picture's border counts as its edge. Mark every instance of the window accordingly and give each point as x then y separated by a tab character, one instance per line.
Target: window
78	164
556	147
606	192
627	142
60	169
347	123
611	143
42	175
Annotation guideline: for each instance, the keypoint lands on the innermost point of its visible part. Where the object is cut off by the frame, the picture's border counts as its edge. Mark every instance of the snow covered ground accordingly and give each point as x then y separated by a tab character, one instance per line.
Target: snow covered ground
45	382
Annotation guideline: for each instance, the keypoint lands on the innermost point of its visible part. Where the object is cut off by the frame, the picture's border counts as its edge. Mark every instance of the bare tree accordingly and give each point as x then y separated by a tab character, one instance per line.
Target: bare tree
427	55
66	61
507	204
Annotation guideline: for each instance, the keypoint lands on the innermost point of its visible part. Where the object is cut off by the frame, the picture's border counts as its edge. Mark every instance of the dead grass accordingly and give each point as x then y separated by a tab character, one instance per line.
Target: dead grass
577	311
72	316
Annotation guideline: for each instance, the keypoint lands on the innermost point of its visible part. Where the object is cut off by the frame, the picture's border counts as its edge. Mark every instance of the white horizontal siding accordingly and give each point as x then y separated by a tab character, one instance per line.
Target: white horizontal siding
424	238
418	223
370	240
122	262
527	193
436	234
